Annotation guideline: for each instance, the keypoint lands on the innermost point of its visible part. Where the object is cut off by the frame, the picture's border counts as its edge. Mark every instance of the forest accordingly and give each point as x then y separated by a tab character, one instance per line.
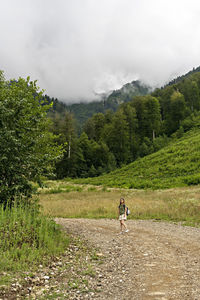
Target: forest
137	128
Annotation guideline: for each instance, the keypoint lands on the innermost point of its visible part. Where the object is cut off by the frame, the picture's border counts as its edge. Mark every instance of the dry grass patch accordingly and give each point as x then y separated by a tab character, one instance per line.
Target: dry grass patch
179	204
86	204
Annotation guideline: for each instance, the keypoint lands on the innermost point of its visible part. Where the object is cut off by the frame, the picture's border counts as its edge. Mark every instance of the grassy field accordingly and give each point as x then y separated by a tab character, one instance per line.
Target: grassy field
177	165
179	204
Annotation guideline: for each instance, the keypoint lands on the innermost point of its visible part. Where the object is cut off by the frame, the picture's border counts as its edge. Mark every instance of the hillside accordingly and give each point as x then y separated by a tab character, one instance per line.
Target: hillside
138	128
126	94
180	78
83	111
173	166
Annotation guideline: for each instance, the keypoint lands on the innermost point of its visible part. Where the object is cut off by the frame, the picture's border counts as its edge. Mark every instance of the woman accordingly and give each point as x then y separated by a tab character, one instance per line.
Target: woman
122	215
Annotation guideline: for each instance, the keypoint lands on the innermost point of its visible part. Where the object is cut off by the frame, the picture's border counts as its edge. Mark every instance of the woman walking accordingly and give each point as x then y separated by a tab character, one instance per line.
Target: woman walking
122	215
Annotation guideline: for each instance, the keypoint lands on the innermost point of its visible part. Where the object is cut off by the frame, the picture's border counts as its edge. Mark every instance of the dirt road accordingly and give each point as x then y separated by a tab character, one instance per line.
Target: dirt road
154	260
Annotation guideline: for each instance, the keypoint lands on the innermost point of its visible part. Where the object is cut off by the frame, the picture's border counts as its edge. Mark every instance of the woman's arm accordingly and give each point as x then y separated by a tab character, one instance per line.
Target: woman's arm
125	211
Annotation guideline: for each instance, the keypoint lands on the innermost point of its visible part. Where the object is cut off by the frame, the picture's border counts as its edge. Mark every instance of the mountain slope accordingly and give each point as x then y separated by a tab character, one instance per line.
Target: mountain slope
175	165
180	78
83	111
127	92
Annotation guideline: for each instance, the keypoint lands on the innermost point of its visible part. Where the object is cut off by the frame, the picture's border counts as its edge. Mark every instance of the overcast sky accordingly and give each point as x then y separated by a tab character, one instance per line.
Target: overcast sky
78	47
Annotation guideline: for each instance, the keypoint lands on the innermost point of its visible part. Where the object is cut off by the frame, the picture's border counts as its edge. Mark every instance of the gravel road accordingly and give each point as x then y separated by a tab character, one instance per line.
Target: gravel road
154	260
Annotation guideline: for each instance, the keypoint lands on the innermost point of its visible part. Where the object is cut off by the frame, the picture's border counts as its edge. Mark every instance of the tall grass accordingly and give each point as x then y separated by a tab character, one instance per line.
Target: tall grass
180	204
27	238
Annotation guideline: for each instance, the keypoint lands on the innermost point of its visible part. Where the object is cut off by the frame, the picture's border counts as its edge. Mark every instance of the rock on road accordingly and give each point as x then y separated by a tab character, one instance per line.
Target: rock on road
154	260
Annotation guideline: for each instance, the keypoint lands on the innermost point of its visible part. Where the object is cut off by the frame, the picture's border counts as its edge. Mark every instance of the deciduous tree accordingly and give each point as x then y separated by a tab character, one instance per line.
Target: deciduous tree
27	147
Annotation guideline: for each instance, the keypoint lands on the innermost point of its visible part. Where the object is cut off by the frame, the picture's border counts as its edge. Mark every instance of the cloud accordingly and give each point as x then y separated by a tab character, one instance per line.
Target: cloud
78	47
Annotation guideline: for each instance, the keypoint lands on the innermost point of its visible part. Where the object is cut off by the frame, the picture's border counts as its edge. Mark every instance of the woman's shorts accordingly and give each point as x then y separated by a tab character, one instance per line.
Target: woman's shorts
122	217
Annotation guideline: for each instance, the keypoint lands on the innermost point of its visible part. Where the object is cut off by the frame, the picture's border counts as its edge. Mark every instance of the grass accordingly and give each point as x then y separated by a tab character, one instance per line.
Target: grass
5	280
27	239
78	204
179	204
55	187
176	165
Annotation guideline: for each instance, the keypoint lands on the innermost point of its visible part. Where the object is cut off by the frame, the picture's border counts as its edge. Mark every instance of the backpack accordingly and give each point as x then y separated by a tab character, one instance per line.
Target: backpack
127	211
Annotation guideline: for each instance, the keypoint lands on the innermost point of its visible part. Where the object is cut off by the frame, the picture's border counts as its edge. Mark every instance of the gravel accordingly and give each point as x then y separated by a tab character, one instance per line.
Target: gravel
153	261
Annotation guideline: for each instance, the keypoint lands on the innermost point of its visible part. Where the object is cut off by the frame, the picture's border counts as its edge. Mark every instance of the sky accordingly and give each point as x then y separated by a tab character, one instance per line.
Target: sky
79	48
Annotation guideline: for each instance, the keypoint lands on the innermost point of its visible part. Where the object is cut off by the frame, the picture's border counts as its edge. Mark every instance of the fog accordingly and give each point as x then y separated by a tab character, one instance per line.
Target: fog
77	48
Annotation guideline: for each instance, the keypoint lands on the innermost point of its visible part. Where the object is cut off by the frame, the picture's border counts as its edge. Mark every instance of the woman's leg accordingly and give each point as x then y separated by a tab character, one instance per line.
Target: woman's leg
123	224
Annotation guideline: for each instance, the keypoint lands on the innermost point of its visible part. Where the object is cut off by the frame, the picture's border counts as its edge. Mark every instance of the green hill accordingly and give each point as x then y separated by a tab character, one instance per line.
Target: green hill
174	166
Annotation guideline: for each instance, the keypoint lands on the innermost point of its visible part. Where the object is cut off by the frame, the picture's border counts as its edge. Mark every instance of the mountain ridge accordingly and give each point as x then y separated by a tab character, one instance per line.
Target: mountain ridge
83	111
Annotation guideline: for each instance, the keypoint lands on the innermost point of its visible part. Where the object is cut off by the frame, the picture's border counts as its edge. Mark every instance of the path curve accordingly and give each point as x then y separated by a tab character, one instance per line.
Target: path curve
153	261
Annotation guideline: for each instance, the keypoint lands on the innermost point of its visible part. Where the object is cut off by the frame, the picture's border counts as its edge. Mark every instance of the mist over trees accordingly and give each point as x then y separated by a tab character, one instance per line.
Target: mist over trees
139	127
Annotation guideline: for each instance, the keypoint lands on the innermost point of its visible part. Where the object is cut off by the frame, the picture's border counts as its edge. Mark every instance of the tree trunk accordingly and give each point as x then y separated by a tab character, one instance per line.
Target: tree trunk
69	148
154	136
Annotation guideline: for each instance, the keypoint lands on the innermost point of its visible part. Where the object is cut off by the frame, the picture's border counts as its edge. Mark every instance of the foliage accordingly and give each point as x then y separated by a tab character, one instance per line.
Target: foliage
27	238
108	140
26	145
176	112
117	138
175	165
82	156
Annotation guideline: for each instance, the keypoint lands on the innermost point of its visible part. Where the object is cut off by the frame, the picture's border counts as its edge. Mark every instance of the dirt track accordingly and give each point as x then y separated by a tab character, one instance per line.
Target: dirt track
154	260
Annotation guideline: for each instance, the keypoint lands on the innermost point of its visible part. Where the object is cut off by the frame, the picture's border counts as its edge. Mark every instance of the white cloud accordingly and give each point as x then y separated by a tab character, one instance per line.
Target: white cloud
76	47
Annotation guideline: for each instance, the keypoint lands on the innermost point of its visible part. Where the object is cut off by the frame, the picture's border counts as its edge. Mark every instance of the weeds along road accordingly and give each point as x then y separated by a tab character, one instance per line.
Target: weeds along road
154	260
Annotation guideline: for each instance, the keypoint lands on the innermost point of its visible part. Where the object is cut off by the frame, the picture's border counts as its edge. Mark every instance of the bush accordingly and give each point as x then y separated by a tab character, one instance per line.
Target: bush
160	142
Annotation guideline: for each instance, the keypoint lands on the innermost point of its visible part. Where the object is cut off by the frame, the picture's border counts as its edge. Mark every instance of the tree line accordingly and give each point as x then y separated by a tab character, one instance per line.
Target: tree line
139	127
